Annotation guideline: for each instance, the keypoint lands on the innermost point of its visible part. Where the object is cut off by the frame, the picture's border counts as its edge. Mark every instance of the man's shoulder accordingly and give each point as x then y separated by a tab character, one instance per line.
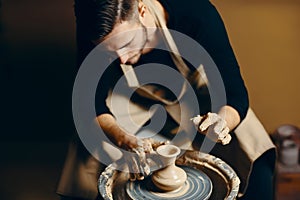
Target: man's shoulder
187	4
190	8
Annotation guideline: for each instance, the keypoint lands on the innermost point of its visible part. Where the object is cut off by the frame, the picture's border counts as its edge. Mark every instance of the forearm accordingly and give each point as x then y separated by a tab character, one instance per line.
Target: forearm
230	115
117	135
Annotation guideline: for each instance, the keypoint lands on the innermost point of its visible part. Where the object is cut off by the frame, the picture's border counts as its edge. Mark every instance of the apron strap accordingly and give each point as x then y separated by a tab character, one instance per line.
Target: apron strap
199	76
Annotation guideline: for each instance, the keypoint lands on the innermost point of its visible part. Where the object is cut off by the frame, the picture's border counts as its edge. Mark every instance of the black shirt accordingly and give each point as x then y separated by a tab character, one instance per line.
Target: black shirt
199	20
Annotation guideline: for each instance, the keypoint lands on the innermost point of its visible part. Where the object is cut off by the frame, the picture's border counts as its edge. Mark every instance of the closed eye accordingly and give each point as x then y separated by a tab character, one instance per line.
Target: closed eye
129	42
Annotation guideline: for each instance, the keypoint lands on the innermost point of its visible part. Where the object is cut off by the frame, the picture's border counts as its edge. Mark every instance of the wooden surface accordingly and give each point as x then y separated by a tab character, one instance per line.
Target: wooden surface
287	183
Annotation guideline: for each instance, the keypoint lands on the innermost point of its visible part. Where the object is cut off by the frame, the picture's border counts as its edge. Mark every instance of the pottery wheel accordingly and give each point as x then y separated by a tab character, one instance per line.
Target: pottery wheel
197	186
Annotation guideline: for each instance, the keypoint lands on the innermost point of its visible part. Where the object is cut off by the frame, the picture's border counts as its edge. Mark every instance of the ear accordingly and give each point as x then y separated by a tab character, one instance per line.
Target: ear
142	11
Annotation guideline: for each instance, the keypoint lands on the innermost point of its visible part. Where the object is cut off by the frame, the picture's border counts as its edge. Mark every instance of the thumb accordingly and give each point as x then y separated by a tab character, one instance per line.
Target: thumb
196	120
210	119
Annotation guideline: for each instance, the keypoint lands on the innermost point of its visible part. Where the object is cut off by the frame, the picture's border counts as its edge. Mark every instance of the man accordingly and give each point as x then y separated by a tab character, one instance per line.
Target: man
135	26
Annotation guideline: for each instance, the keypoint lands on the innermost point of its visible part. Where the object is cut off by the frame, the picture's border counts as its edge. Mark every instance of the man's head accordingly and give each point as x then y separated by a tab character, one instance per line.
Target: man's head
96	18
125	20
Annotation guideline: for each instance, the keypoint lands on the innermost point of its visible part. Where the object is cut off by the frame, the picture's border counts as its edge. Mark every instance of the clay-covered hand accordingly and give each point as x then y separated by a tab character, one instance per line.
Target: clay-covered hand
214	126
138	163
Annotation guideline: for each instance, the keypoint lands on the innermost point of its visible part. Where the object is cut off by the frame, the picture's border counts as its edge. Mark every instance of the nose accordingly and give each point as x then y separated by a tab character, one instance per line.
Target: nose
123	57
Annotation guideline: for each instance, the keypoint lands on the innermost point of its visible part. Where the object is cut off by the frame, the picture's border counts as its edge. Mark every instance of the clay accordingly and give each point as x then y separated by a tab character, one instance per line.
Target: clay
170	177
114	184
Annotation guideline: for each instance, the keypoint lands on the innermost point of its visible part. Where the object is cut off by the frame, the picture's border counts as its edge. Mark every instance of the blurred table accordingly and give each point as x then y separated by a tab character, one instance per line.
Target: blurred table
287	182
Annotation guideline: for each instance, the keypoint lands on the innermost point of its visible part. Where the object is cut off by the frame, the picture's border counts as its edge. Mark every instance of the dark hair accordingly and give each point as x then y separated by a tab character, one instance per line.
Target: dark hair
95	19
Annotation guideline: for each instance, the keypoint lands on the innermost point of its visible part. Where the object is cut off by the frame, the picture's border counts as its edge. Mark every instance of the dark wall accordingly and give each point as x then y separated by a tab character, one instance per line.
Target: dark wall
37	69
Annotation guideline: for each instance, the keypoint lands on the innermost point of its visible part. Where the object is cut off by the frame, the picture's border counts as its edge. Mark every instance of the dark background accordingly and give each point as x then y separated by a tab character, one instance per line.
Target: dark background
37	67
37	70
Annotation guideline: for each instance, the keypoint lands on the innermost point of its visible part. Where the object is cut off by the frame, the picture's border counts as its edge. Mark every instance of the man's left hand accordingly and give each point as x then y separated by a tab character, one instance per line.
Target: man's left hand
214	126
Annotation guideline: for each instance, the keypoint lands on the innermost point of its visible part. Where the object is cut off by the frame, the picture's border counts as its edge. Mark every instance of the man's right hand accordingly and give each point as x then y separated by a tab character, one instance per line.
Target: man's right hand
138	149
137	162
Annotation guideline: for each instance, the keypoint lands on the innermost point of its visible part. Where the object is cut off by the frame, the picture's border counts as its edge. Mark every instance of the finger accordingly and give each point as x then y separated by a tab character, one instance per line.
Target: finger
211	118
127	161
220	126
145	165
196	120
146	169
143	168
148	145
139	173
142	163
132	175
140	176
138	157
210	133
223	133
156	144
226	140
133	166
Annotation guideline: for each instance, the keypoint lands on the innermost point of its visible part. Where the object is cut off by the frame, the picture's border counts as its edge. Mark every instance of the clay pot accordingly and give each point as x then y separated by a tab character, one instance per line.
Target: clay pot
170	177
